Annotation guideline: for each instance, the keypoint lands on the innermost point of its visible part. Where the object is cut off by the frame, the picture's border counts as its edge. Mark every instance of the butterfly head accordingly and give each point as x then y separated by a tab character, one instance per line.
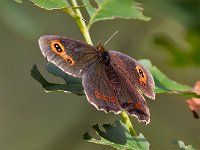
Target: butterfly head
100	48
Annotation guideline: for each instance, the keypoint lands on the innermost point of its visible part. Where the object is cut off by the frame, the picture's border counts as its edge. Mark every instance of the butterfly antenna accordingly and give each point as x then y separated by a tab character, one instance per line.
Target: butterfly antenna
110	38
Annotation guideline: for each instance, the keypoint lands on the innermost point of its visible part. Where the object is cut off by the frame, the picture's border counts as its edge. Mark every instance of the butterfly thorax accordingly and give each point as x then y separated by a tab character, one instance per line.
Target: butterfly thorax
103	55
105	58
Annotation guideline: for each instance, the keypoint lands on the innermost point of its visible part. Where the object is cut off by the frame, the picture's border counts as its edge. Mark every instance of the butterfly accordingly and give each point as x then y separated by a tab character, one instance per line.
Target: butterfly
112	81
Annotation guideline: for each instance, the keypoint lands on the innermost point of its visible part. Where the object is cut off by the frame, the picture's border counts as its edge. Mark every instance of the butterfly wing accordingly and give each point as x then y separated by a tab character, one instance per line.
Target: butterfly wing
135	72
108	91
72	56
132	100
98	89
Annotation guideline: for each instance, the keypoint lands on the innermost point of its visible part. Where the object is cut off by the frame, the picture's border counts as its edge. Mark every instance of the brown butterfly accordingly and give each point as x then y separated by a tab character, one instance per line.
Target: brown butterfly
112	81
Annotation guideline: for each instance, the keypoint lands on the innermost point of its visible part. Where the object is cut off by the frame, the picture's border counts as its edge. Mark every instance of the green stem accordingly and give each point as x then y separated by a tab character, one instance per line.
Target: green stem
85	31
69	11
128	123
81	23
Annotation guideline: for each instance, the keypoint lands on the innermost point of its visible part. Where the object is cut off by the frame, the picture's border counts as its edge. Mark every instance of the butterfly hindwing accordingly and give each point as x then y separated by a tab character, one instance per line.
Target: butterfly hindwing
72	56
133	101
98	89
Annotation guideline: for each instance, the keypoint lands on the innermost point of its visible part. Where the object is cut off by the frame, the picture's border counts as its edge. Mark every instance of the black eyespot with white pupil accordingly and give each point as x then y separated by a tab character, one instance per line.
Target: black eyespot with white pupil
141	73
58	48
69	61
97	94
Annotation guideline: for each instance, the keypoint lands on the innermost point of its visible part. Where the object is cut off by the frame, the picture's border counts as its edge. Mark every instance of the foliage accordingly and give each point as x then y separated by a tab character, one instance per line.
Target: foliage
182	145
103	11
118	136
50	4
73	85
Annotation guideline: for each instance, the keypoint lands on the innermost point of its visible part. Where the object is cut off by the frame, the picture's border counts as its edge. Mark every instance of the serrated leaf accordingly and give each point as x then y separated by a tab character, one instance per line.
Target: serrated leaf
70	87
49	4
118	136
182	145
110	9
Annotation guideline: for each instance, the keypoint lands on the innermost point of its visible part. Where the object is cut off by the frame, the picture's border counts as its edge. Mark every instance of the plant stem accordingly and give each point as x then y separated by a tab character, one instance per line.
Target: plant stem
85	31
69	11
81	23
128	123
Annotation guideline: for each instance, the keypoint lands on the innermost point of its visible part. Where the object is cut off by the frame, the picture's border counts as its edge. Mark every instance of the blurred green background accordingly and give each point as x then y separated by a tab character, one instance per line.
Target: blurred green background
31	119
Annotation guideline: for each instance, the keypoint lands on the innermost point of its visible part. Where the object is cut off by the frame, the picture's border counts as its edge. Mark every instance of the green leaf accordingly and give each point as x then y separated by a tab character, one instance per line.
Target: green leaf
165	85
182	145
18	1
70	87
110	9
118	136
37	76
54	70
49	4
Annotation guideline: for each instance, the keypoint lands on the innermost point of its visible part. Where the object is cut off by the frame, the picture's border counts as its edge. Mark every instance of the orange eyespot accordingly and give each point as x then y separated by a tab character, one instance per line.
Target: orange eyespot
113	99
138	106
97	94
68	59
106	98
142	75
57	47
141	72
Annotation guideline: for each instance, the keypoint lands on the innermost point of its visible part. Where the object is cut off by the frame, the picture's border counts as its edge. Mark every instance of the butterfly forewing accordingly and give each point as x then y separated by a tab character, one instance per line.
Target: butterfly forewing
72	56
135	72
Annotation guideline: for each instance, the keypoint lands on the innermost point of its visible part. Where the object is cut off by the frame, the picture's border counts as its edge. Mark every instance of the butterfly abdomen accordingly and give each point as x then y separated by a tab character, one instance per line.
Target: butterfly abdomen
113	78
110	72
